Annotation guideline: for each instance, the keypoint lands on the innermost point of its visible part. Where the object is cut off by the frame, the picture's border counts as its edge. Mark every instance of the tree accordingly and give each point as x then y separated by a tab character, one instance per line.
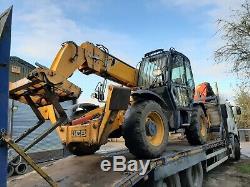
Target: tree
243	100
235	32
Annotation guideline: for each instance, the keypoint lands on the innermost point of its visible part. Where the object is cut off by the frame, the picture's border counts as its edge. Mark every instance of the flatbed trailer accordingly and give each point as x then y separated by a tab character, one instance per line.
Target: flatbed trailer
172	168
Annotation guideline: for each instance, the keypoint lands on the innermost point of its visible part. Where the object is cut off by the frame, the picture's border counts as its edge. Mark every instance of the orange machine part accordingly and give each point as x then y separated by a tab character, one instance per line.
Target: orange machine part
201	92
81	120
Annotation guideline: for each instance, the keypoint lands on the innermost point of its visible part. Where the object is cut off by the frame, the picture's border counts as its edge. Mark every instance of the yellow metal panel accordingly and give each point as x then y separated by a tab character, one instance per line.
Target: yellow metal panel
64	63
48	113
111	120
88	58
86	133
108	66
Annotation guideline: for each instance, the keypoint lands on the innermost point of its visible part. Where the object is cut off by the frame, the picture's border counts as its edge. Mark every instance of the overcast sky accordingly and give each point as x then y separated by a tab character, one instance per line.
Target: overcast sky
128	28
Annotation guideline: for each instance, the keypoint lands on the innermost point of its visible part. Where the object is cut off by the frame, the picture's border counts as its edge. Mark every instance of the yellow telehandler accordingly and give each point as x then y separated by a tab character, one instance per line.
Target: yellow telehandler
152	100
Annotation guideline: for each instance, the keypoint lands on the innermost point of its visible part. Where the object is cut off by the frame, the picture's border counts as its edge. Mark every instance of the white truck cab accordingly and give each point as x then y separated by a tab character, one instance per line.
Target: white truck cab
232	112
234	139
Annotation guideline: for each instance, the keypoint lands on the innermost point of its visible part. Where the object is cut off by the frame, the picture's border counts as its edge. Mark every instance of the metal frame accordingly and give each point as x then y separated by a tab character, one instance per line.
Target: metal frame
5	41
178	164
29	161
177	160
62	119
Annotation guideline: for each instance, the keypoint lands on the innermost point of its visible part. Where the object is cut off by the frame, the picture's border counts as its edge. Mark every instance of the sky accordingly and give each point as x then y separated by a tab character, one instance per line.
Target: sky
129	29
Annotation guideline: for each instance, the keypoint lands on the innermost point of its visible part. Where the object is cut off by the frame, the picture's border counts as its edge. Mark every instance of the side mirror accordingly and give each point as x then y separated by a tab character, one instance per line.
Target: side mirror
157	72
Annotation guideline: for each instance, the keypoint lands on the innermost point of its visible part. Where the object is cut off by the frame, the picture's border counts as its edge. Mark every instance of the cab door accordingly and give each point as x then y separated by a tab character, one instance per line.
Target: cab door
179	87
189	80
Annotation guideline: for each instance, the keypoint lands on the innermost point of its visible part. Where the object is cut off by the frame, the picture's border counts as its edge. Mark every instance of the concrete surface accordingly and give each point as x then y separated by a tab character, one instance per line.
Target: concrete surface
245	149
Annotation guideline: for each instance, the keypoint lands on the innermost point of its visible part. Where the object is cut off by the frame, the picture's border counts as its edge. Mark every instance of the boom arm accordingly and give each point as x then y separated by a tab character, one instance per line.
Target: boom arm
87	58
44	88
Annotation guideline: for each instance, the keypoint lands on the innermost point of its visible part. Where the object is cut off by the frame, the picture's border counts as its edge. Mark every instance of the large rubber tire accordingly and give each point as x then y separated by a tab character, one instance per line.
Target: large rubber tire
136	134
172	181
196	133
78	148
192	177
235	147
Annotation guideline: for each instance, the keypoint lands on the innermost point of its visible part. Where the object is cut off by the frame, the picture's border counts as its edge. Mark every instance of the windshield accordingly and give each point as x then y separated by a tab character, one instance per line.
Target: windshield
147	66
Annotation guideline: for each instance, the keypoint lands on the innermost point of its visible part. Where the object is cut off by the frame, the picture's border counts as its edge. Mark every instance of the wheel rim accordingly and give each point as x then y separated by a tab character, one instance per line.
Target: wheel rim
154	128
203	127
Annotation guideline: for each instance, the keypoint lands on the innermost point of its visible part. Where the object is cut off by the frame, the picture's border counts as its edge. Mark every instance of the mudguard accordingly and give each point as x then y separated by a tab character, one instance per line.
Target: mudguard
147	94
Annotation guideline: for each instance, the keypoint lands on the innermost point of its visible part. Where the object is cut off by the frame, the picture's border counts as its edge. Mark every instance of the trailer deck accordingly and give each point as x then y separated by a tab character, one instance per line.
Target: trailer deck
86	171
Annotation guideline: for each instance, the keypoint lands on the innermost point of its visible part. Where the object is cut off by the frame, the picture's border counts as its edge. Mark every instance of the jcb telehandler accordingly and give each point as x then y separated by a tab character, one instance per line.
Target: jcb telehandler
152	100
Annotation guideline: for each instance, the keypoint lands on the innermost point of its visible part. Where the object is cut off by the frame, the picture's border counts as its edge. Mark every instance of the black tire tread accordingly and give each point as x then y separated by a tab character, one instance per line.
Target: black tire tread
237	149
80	149
133	132
192	132
173	181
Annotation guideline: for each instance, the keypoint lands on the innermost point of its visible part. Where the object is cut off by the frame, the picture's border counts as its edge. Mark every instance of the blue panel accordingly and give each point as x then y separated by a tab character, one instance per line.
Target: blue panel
5	38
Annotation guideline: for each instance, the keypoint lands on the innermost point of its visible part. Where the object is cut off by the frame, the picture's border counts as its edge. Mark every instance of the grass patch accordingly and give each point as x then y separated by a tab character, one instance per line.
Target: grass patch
244	168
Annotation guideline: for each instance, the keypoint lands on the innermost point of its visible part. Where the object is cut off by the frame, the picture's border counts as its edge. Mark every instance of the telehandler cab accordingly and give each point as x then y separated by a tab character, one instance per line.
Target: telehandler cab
154	99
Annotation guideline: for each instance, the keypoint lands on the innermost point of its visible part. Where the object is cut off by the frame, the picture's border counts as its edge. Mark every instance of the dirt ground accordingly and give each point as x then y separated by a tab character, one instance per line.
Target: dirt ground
231	174
228	175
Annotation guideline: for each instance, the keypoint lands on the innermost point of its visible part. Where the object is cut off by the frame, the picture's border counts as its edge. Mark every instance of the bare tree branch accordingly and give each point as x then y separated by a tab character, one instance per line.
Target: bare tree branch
236	34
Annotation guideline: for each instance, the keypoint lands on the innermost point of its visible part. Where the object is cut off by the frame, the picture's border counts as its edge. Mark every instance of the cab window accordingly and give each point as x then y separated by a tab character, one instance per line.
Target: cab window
178	72
189	75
